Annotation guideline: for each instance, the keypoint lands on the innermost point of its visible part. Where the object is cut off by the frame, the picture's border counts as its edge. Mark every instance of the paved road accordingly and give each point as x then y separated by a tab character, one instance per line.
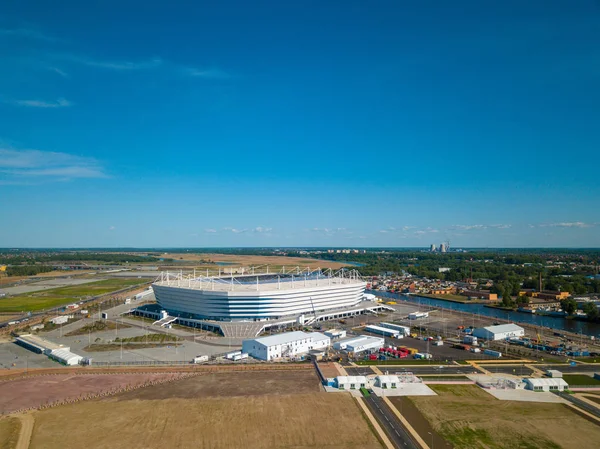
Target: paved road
581	404
359	371
389	422
429	369
580	368
517	370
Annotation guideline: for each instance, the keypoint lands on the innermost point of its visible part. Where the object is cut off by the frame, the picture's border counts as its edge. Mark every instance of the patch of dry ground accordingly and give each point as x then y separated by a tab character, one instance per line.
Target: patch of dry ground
470	418
258	260
34	391
9	432
231	384
315	420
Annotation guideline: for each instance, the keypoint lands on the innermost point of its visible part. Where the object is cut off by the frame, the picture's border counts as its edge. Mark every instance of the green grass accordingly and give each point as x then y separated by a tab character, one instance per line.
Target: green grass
580	379
47	299
154	338
426	377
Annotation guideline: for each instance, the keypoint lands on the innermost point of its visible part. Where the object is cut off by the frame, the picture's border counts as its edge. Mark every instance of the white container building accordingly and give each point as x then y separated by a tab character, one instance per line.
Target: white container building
404	330
500	332
351	382
386	332
360	344
335	334
417	315
387	381
554	384
286	345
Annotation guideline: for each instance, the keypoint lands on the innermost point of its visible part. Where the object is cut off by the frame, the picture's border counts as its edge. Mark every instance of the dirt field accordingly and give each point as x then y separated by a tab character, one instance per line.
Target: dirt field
257	422
470	418
328	369
257	260
35	391
9	432
231	384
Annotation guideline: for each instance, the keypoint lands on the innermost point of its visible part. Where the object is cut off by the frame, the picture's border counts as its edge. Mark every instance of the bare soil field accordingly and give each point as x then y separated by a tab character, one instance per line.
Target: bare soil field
328	369
245	383
9	432
470	418
38	390
257	260
316	420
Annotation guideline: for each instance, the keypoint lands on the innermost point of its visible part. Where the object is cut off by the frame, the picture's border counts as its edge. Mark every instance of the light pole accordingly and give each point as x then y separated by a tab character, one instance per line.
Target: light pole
431	439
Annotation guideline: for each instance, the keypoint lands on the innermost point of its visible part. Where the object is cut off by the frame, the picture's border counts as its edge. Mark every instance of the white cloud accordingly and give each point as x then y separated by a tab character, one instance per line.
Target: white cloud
469	227
261	229
59	71
18	164
235	230
574	224
210	231
384	231
110	65
500	226
112	228
60	103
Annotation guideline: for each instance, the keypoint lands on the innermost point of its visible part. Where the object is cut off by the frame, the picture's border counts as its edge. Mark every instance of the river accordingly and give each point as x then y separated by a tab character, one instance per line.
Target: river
552	322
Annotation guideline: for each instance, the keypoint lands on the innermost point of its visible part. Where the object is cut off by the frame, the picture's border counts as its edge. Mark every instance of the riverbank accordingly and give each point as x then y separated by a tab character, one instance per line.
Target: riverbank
450	298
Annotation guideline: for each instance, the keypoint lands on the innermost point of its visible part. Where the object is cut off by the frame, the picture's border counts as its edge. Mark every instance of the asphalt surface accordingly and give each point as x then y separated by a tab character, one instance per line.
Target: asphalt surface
581	404
429	369
517	370
359	371
579	368
389	422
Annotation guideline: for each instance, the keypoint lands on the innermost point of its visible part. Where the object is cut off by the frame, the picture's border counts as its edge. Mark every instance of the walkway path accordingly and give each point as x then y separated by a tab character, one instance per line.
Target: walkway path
26	431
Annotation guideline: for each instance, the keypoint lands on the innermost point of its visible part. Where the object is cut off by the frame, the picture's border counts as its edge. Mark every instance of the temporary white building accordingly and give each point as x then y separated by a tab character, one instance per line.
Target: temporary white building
351	382
387	381
65	357
360	344
553	384
285	345
500	332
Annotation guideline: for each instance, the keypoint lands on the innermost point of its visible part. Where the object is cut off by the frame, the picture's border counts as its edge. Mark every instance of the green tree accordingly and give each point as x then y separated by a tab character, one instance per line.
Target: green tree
591	310
569	305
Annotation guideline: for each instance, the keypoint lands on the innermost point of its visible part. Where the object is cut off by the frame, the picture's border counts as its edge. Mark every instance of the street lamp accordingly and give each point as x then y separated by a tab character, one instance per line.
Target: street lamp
431	439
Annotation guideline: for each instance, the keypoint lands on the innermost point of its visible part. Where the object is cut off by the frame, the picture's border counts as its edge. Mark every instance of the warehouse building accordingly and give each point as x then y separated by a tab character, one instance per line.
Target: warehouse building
351	382
404	330
286	345
360	344
554	384
60	353
500	332
386	332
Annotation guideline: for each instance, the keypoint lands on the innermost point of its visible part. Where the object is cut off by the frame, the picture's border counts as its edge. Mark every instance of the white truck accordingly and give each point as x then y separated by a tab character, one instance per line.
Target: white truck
200	359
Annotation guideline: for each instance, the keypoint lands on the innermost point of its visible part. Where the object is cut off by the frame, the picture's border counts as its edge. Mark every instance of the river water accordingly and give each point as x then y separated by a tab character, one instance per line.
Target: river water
552	322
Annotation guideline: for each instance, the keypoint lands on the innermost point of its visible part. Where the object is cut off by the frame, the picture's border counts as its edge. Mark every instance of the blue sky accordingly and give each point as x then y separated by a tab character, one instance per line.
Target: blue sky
299	123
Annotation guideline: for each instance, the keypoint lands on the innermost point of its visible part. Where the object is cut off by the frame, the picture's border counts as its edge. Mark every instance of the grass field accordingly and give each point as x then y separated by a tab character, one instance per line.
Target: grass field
154	338
470	418
252	422
55	297
580	379
9	432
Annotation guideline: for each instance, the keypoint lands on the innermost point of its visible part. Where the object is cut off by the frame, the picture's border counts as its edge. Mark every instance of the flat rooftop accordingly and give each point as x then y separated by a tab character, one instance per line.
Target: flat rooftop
41	342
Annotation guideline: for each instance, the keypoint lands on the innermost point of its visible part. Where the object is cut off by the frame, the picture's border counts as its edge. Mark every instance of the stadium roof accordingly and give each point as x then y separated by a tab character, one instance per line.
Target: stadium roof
258	282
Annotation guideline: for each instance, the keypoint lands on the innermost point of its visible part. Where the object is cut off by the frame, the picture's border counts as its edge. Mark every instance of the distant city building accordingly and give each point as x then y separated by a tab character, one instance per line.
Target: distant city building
432	248
443	269
443	248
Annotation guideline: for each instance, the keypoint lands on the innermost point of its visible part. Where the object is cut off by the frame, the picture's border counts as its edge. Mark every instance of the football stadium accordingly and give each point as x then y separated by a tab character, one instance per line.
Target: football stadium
258	297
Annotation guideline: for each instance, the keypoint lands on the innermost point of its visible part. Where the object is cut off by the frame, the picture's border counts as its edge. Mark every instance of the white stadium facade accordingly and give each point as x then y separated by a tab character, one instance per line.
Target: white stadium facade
258	297
245	303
